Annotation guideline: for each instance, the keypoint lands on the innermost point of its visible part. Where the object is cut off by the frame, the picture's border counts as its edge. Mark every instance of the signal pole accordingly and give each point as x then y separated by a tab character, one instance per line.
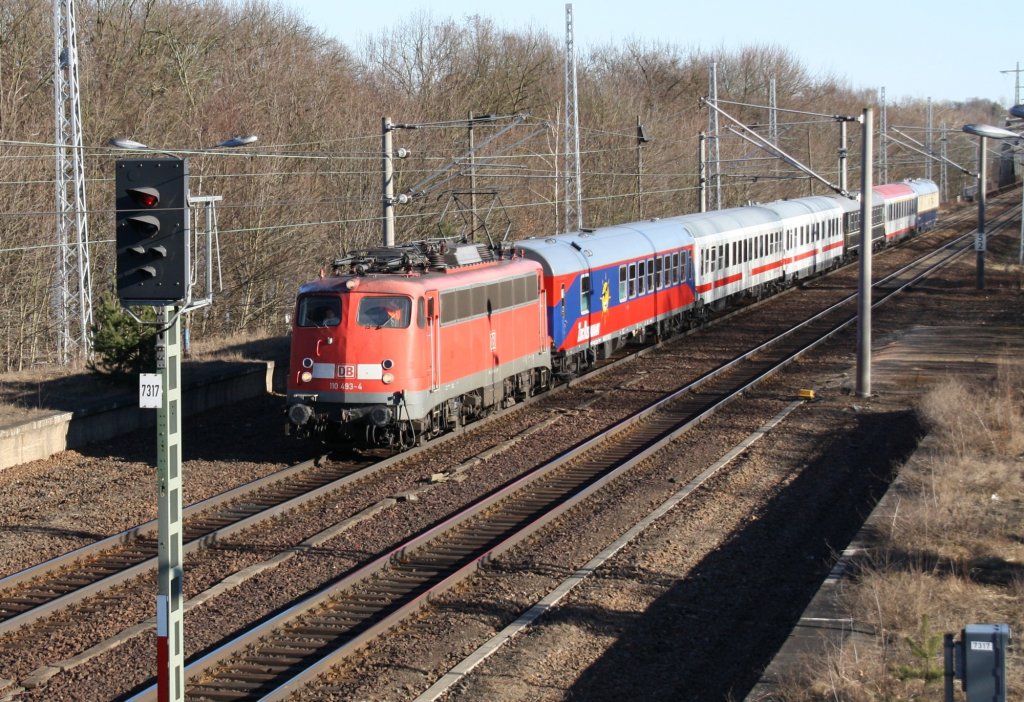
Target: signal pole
170	610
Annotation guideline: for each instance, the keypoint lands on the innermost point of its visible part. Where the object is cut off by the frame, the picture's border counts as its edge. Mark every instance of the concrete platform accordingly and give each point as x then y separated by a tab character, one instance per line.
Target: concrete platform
924	356
44	436
919	359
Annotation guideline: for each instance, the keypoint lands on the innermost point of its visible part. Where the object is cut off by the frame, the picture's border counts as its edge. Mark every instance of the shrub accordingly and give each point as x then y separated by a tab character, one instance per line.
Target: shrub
122	347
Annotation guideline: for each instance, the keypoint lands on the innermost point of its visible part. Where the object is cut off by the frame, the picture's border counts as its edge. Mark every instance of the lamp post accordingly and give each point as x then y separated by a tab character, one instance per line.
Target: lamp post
984	132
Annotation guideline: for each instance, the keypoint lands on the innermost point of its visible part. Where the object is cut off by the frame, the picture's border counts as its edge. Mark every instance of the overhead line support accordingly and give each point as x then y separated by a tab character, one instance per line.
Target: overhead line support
756	139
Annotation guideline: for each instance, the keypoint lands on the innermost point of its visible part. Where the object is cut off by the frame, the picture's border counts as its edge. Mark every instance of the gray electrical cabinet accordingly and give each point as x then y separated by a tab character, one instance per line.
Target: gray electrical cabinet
982	661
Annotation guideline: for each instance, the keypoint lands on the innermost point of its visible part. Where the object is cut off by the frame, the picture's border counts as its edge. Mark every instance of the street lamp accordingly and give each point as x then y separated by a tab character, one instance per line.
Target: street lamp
237	141
132	145
984	132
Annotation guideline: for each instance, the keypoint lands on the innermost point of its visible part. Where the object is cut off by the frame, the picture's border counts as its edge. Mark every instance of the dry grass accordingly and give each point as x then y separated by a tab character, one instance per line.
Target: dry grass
950	552
233	348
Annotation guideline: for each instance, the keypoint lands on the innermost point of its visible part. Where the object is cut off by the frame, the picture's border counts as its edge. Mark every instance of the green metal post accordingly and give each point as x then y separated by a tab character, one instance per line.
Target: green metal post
170	607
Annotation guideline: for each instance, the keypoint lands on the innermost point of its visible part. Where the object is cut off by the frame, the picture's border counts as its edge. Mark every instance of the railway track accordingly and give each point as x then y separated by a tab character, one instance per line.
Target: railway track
275	660
214	521
34	593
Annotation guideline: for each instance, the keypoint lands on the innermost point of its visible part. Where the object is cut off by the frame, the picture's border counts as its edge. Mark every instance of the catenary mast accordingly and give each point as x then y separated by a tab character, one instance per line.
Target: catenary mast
573	192
73	306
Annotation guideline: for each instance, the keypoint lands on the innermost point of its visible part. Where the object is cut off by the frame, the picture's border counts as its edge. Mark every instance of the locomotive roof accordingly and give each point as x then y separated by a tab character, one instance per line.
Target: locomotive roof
416	282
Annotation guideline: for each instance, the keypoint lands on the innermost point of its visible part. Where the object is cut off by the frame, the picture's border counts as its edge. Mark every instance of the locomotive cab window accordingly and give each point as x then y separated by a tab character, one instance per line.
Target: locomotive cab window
319	311
390	311
585	294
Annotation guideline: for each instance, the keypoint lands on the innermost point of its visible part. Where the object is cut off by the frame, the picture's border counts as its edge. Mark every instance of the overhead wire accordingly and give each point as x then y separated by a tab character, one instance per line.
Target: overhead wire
490	171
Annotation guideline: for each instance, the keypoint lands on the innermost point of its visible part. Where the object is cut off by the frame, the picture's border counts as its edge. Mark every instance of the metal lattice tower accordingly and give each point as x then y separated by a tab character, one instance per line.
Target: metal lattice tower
573	192
715	202
73	311
883	140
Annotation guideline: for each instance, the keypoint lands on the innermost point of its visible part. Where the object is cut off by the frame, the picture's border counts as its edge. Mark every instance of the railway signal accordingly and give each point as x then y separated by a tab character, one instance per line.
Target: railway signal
154	268
152	231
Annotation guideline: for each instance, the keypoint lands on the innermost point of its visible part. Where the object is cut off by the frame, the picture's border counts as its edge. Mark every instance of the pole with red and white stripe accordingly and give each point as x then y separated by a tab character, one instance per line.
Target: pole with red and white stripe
169	605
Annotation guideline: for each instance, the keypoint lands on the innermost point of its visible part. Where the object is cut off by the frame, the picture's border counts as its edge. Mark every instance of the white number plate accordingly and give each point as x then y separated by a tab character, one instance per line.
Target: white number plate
150	390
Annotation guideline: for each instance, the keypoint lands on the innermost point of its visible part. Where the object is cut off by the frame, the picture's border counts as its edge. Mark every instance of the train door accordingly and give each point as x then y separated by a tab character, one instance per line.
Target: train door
496	321
434	333
543	340
589	327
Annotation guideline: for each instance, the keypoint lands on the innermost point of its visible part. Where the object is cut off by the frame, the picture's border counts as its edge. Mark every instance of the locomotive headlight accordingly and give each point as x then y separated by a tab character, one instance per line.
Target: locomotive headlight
388	378
306	376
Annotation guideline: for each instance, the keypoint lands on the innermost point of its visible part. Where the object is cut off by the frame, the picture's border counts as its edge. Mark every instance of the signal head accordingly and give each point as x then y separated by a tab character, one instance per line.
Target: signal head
152	231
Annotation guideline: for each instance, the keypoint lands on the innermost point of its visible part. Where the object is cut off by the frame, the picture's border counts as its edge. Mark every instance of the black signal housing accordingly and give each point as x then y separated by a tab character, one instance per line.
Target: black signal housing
152	231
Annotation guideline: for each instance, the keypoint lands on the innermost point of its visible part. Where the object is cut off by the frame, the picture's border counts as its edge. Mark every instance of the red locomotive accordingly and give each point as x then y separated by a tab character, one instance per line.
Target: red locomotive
405	343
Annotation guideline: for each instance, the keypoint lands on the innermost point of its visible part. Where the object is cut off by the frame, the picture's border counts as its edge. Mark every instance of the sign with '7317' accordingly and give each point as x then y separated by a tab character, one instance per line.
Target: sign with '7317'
150	388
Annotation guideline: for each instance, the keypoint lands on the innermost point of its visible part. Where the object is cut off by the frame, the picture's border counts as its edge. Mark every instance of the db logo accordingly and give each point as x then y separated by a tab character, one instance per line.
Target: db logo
346	371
